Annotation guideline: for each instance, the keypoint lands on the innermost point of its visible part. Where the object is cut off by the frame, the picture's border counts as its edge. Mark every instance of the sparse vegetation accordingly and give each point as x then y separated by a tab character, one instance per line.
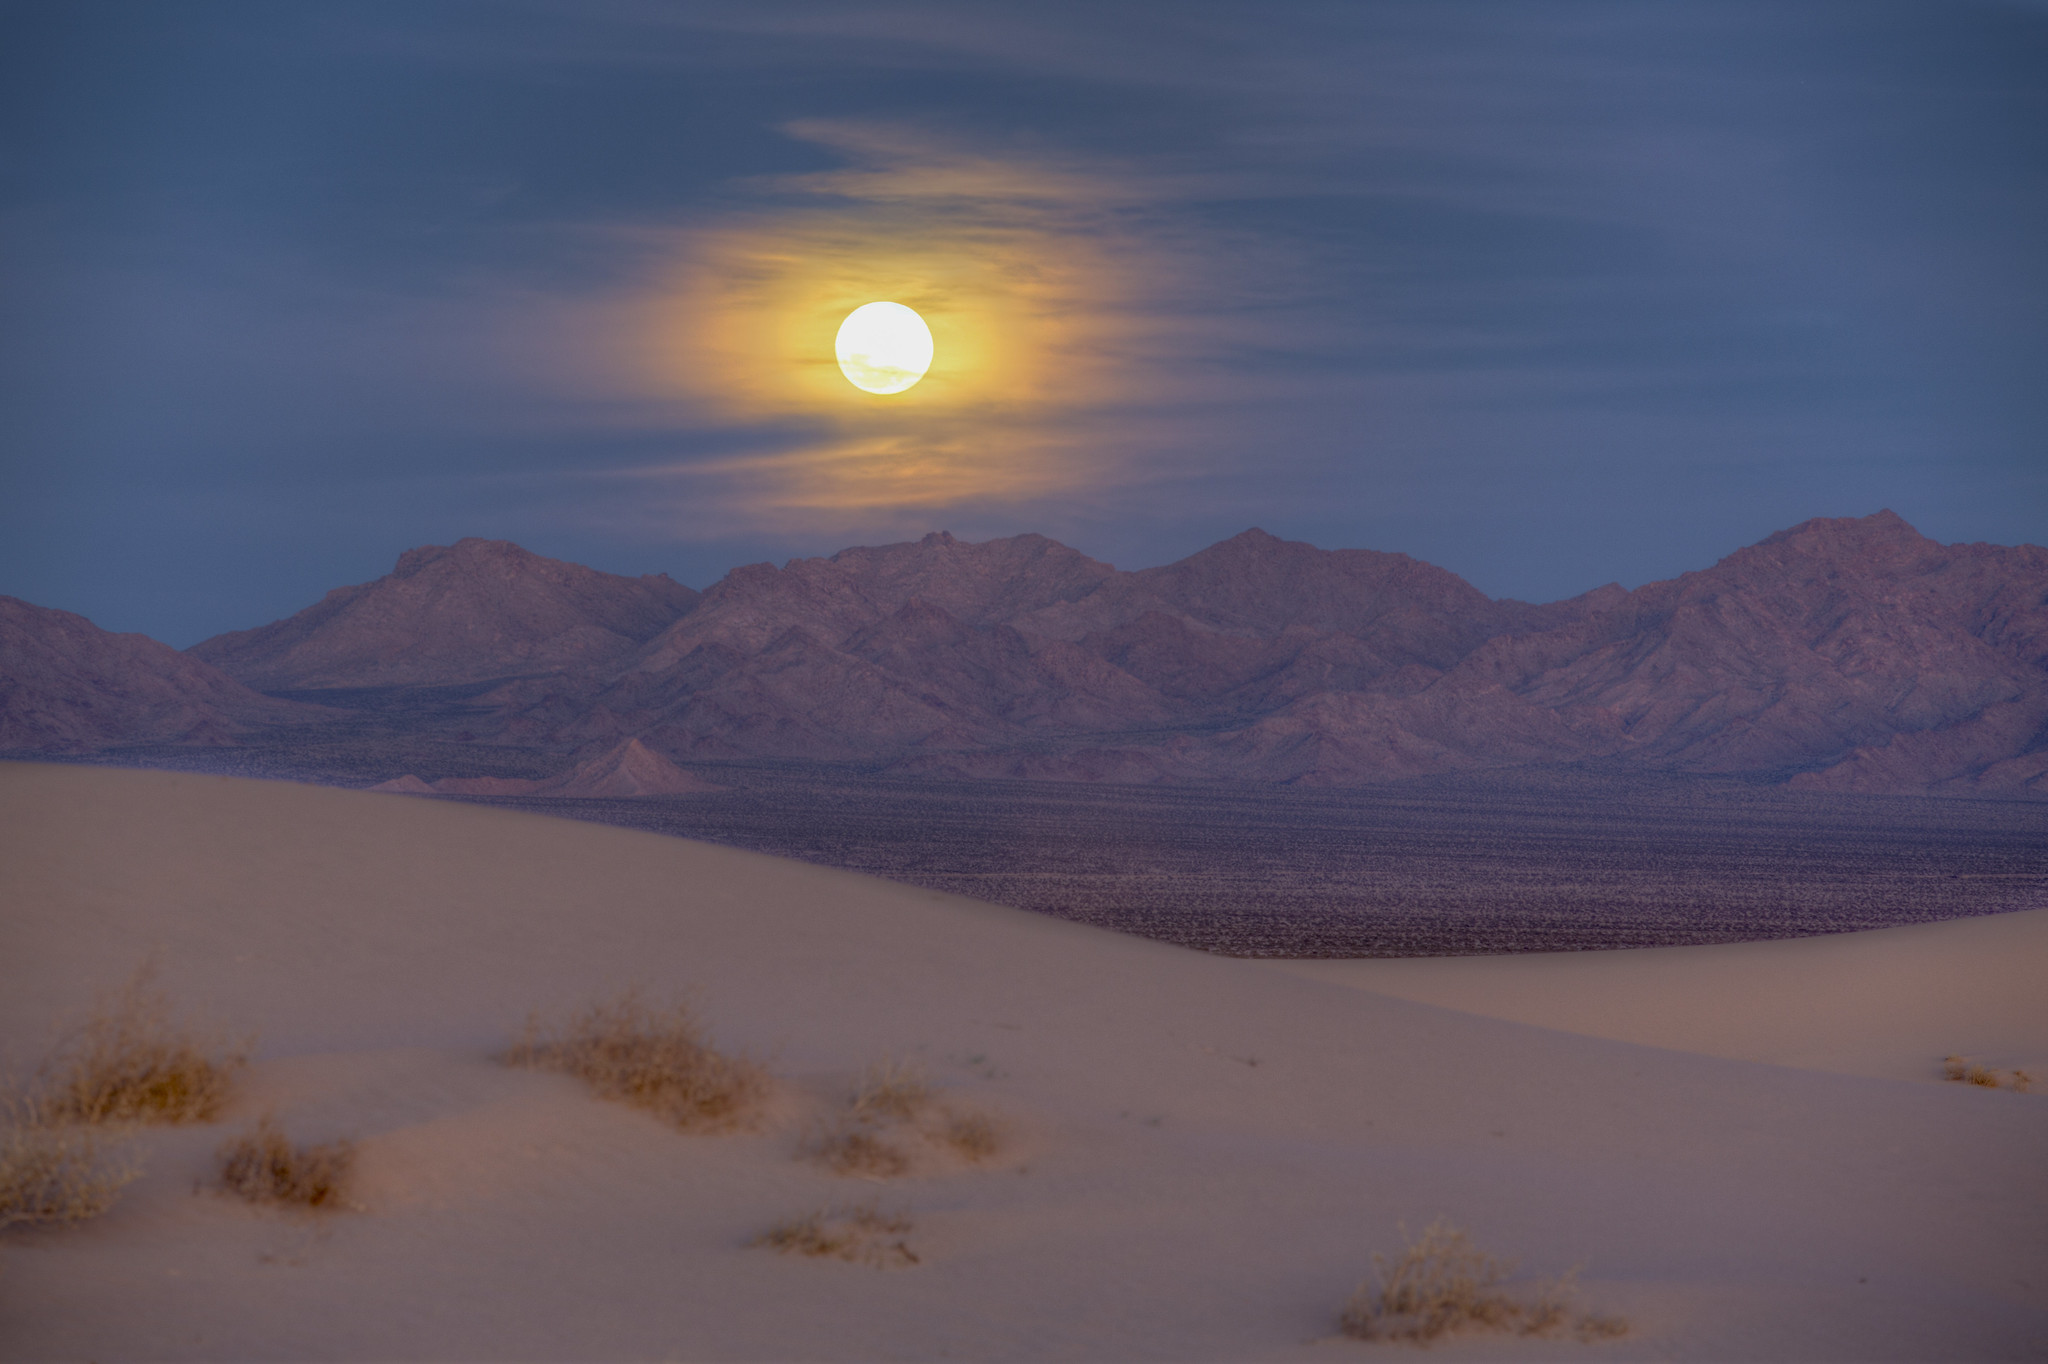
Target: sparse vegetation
1964	1071
894	1100
892	1091
1442	1284
264	1166
656	1059
860	1235
55	1174
132	1061
852	1148
972	1136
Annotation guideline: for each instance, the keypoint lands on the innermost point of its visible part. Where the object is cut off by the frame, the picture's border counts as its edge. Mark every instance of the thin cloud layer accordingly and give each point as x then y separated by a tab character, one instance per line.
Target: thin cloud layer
1059	298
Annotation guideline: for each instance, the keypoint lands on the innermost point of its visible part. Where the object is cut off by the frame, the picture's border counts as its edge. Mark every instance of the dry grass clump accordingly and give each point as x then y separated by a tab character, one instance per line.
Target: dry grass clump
1968	1072
132	1061
55	1175
894	1097
851	1148
972	1136
859	1235
892	1091
264	1167
1442	1284
656	1059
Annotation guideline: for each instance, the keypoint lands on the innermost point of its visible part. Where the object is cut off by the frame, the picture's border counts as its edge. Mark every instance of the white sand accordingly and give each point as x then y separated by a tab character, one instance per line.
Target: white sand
1855	1003
1162	1196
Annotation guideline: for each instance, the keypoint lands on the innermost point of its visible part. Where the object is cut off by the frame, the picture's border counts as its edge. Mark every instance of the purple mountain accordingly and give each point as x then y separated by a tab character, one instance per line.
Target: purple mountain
1851	654
473	611
67	686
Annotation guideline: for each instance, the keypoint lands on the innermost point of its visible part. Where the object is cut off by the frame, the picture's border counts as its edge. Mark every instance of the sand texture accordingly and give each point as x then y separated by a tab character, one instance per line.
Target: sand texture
1748	1148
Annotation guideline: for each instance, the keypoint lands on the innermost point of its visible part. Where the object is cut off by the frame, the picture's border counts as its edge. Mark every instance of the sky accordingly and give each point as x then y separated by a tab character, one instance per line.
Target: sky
1549	293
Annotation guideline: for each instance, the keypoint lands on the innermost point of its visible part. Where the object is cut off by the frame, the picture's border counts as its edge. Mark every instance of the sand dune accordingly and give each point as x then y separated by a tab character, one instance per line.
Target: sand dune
1202	1153
1856	1003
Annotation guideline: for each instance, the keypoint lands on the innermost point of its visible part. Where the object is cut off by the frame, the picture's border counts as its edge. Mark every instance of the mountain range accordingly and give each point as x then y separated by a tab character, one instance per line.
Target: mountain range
1849	654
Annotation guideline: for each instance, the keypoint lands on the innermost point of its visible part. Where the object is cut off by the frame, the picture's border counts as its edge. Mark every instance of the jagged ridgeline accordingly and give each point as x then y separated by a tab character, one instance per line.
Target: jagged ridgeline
1845	655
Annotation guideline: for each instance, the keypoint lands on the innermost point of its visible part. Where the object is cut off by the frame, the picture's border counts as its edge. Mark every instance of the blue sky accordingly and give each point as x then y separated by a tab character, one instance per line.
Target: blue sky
1550	294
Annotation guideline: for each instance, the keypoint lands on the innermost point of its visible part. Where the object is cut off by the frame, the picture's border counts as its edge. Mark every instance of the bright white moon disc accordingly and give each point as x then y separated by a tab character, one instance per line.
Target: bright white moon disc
883	347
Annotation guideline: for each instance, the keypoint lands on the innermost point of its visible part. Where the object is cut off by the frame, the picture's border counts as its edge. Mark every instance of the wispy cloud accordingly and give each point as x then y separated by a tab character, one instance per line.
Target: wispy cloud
1064	298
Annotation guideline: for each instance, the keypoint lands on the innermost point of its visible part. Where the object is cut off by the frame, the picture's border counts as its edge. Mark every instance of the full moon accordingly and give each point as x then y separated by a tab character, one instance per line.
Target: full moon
883	347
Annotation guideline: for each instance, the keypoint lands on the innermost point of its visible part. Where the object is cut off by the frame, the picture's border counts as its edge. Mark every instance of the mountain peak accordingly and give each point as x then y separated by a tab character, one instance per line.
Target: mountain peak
1880	527
469	549
468	612
625	771
1259	582
1255	540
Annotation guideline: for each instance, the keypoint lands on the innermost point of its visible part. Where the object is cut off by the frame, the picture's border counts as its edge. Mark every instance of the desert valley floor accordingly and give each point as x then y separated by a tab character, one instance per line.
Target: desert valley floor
1432	867
1520	861
1747	1147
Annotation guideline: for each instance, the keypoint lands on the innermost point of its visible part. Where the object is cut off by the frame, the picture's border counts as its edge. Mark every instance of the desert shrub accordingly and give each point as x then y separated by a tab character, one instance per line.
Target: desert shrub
131	1061
860	1235
656	1059
1443	1284
51	1174
972	1136
853	1148
264	1166
893	1091
895	1096
1964	1071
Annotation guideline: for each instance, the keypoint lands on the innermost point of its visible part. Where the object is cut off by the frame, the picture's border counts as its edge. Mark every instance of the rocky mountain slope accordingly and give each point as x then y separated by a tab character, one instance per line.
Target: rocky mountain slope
1823	645
67	686
1842	654
469	612
1849	654
940	646
1846	654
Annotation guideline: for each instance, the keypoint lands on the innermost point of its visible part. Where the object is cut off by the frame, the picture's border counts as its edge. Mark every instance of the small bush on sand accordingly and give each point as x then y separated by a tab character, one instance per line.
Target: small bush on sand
264	1167
972	1136
859	1235
893	1091
853	1148
1964	1071
656	1059
50	1174
1442	1284
132	1061
895	1095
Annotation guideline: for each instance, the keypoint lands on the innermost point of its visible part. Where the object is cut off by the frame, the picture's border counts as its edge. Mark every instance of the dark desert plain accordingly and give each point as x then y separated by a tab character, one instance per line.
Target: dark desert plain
1200	682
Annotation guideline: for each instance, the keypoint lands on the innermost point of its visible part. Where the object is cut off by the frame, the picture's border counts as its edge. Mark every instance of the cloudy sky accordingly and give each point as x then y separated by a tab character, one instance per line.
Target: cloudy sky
1549	293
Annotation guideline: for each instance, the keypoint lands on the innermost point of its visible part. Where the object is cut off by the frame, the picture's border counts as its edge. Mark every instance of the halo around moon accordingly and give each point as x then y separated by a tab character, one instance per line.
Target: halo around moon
883	347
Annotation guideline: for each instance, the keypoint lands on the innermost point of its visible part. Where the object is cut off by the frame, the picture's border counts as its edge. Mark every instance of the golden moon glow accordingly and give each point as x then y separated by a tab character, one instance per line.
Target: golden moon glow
883	347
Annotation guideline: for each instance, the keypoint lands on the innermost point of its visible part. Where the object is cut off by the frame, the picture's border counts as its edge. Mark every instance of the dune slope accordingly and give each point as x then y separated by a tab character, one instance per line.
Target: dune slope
1857	1003
1200	1153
